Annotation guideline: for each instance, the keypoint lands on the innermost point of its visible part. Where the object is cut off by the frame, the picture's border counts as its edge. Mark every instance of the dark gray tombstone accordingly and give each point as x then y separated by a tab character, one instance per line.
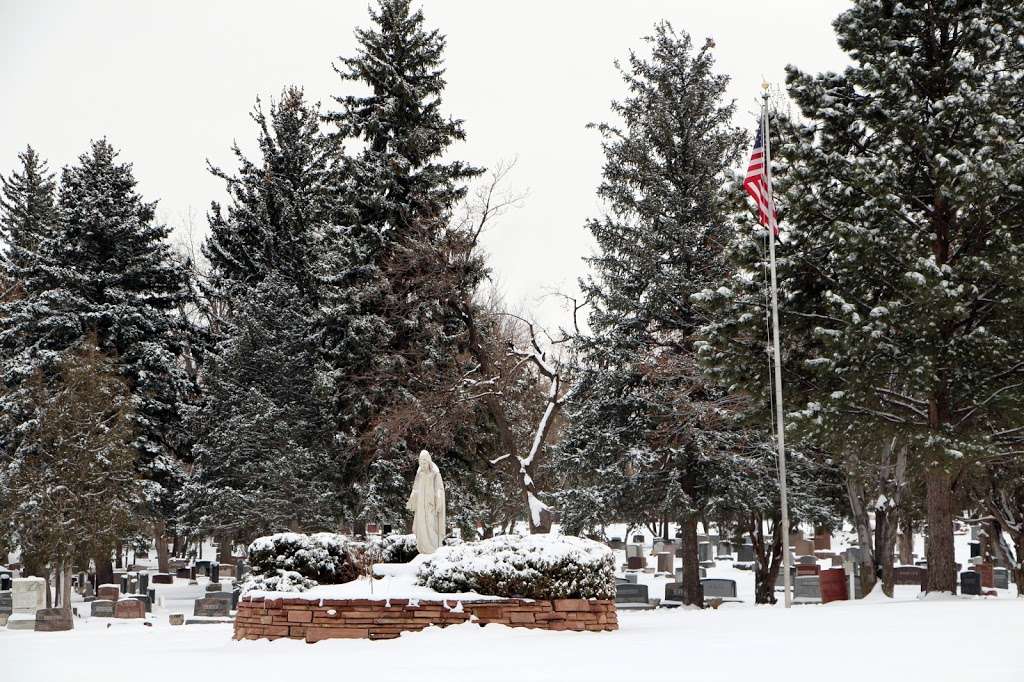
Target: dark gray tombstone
807	560
975	548
214	571
143	587
124	583
202	567
192	574
632	597
638	539
1001	578
6	603
241	569
745	553
144	598
705	552
807	589
151	593
629	578
724	550
970	583
212	607
183	573
102	608
780	578
6	581
214	587
236	594
674	593
719	588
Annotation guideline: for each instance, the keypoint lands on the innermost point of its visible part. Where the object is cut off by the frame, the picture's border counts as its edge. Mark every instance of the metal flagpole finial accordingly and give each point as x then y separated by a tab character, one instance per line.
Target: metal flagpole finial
764	87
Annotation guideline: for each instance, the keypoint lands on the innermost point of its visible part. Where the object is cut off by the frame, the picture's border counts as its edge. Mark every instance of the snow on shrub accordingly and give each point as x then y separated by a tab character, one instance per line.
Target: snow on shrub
394	549
281	581
532	566
324	558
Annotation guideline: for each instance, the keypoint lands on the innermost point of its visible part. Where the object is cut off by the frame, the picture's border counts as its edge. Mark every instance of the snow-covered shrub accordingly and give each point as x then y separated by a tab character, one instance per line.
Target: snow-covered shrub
395	549
281	581
532	566
321	557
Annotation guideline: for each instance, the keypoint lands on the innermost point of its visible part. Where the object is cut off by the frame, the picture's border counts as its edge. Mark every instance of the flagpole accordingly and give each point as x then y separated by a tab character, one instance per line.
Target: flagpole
780	426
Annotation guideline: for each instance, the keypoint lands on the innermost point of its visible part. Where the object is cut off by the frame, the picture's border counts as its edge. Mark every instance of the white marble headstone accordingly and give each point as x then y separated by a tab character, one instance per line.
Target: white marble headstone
28	595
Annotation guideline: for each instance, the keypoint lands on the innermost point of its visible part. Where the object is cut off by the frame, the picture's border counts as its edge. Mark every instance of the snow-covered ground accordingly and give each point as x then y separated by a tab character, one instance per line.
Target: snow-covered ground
906	638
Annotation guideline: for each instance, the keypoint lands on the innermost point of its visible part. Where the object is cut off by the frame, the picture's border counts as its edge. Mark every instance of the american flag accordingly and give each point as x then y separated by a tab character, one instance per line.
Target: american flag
756	184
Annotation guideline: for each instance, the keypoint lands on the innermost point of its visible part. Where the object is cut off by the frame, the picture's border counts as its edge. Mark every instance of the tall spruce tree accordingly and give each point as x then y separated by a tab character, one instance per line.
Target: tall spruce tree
105	269
648	435
261	429
901	269
26	211
393	329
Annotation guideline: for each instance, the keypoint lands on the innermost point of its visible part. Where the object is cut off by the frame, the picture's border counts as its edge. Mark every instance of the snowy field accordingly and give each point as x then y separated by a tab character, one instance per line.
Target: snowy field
944	638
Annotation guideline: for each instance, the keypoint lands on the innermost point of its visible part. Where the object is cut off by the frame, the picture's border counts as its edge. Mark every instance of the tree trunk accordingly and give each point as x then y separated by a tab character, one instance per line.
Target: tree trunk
1018	564
66	583
176	547
692	592
224	545
50	596
862	523
939	551
104	569
767	558
906	539
118	554
163	559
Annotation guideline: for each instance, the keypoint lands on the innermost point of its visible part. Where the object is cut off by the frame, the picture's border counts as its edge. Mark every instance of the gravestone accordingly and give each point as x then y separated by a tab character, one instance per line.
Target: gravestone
183	573
5	580
721	588
53	620
147	605
101	608
745	553
143	585
176	619
970	583
635	563
679	574
975	528
808	569
724	550
822	540
241	569
617	544
665	560
834	585
3	619
129	608
975	548
704	552
638	539
214	572
630	597
125	585
910	575
108	591
163	579
807	589
28	595
21	621
807	560
1001	578
674	593
985	571
634	550
6	604
780	579
214	587
202	567
628	578
213	607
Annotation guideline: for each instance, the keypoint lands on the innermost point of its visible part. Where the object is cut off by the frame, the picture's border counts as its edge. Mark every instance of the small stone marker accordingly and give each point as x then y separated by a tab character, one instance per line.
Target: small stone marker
970	583
823	540
202	567
21	621
6	604
3	619
212	607
129	608
101	608
109	592
638	539
665	560
718	588
1001	578
975	548
28	595
745	553
214	587
125	584
635	563
807	590
985	570
183	573
631	597
143	586
634	550
910	575
53	620
705	552
834	586
163	579
214	572
176	619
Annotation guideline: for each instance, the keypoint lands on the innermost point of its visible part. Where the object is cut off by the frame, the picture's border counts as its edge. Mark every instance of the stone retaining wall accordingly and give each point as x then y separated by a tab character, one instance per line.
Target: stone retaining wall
314	620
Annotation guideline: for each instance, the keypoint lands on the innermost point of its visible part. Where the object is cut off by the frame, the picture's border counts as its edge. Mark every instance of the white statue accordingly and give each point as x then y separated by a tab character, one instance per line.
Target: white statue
427	502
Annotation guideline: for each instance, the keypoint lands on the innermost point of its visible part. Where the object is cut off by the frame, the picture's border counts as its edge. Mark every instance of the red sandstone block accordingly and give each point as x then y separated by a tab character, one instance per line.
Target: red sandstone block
571	605
297	631
300	616
520	617
266	620
427	613
275	630
316	634
375	636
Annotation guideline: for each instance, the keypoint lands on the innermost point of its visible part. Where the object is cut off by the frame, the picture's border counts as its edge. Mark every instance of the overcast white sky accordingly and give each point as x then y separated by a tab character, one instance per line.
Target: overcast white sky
170	83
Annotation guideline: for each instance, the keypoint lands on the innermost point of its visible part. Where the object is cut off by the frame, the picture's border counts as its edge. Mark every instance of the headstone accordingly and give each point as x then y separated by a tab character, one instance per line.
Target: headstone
822	540
3	619
125	586
108	592
163	579
638	539
53	620
635	563
833	585
724	549
5	581
704	552
970	583
780	579
807	589
617	544
176	619
6	604
21	621
144	598
910	575
721	588
101	608
975	548
183	573
213	607
674	592
630	597
129	608
665	560
975	528
241	569
745	553
628	578
807	560
227	570
985	570
202	567
215	572
807	569
28	595
1001	578
679	574
634	550
143	585
214	587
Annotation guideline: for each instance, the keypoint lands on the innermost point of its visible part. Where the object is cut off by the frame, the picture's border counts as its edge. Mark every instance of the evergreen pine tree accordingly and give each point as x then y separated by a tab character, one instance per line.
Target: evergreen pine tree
105	269
901	269
393	329
649	438
26	211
